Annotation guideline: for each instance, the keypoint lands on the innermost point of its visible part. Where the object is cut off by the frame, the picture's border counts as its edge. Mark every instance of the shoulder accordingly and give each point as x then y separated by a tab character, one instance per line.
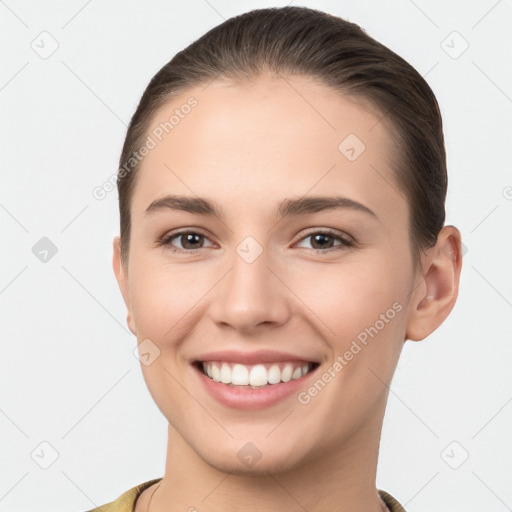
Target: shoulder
126	502
392	503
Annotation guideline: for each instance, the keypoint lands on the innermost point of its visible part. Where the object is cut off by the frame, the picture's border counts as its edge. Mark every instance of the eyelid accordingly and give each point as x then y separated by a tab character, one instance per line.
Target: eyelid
328	231
165	240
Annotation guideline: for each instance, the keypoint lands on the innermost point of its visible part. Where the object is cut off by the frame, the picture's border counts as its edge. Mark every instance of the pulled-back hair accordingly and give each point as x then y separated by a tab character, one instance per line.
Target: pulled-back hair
336	52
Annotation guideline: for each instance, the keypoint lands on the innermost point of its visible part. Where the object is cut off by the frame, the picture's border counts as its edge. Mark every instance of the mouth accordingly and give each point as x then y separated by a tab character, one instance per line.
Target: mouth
255	376
252	380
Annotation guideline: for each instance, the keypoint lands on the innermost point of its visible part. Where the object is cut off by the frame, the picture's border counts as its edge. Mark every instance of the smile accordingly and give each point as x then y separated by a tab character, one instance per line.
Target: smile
253	380
255	376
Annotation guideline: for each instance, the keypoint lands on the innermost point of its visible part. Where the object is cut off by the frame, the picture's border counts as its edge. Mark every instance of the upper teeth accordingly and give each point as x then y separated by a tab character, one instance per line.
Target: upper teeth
257	375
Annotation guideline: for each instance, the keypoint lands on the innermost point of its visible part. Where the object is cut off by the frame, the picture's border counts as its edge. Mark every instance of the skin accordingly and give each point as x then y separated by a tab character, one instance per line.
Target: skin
247	147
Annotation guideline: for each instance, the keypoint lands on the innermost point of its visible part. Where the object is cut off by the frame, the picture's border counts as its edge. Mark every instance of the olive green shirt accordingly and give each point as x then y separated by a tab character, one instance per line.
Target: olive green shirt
126	502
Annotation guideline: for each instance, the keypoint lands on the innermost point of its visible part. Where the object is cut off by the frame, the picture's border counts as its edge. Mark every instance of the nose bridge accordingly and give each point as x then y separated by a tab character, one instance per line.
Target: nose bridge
250	294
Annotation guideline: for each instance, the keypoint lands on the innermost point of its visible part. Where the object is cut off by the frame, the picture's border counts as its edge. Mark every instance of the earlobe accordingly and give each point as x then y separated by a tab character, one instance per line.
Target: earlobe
434	301
122	281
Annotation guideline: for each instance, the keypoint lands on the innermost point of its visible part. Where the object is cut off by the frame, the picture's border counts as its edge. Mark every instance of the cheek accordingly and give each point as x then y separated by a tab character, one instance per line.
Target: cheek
164	297
349	298
362	313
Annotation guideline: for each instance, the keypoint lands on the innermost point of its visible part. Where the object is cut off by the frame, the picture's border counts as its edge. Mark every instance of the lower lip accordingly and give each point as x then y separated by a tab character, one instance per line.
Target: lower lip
251	399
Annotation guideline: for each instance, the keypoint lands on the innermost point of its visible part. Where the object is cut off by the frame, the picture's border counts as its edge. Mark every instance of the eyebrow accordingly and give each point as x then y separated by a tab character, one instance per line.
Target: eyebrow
301	206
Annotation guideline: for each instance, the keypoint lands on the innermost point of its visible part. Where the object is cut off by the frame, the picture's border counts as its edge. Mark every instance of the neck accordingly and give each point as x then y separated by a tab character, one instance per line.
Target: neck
341	480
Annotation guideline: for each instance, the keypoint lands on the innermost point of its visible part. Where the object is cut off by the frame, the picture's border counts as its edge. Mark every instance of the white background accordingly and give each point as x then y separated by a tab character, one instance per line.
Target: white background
68	375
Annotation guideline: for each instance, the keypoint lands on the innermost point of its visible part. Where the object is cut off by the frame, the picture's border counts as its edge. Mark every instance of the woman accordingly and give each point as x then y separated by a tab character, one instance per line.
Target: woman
281	191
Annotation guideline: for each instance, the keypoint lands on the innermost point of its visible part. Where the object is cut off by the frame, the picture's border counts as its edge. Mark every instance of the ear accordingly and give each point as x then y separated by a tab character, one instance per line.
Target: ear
121	274
434	299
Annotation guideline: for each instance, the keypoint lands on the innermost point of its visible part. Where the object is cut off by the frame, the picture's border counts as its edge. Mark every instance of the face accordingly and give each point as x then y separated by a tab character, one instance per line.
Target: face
284	272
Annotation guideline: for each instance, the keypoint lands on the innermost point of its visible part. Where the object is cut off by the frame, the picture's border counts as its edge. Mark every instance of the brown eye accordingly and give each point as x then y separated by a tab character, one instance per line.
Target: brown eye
322	241
187	241
326	240
191	240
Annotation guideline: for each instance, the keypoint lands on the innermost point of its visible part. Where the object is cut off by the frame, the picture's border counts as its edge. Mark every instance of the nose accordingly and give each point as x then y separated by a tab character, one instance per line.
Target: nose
251	294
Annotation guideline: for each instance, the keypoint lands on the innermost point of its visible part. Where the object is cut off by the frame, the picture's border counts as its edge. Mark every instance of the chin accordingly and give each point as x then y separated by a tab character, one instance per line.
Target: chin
235	465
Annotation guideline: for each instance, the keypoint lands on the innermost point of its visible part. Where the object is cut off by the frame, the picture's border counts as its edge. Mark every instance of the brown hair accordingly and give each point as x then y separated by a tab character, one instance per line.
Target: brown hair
300	40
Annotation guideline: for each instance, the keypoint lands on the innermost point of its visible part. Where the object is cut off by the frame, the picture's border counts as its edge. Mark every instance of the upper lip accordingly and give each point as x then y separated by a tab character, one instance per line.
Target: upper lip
259	356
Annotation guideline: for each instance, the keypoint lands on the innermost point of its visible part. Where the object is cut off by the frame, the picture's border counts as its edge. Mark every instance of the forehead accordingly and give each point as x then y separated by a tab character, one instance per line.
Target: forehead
270	137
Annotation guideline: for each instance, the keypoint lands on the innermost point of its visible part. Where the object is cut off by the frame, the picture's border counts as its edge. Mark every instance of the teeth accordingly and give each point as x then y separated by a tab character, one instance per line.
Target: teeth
255	376
286	373
225	374
274	374
258	376
239	376
214	370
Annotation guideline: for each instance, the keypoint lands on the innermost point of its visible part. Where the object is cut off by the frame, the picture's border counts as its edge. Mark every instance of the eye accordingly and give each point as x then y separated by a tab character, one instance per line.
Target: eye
323	241
190	241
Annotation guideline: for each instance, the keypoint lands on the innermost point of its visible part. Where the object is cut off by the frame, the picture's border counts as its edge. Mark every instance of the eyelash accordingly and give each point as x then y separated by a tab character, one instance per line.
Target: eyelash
345	242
